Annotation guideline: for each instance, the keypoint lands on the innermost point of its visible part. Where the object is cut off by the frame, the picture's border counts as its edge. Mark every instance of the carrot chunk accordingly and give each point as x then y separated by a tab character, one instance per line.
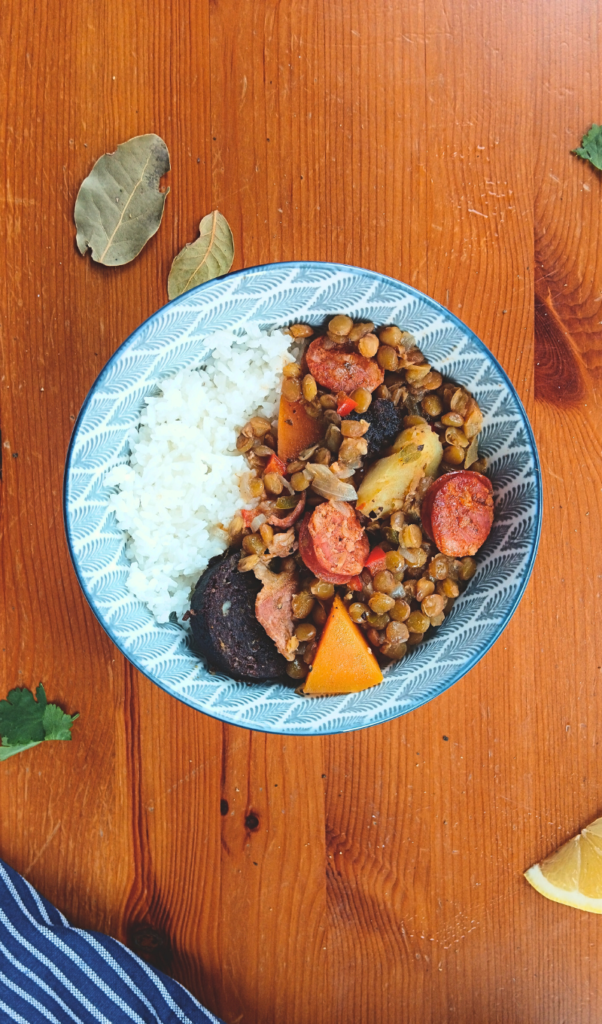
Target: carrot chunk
344	663
296	430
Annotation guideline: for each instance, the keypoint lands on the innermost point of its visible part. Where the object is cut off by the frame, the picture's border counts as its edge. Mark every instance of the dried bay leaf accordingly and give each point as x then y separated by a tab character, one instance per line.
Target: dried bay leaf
119	205
210	255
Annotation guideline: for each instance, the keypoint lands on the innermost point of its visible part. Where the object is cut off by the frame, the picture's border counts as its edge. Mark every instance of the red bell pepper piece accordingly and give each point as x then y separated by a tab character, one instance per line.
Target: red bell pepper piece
355	583
345	406
248	515
275	465
375	561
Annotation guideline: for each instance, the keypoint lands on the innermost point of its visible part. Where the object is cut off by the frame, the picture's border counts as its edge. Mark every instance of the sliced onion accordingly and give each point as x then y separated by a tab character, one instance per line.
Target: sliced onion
328	485
257	522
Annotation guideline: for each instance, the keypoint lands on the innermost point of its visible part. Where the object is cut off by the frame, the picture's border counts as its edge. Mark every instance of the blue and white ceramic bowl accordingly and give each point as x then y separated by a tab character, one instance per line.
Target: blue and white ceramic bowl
275	295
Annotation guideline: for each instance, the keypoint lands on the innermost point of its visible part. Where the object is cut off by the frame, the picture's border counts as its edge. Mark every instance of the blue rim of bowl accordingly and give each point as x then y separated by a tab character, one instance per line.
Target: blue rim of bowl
480	345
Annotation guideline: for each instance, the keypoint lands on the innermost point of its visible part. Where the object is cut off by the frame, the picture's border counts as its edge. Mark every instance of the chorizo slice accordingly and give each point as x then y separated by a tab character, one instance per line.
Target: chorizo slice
457	512
339	540
343	368
273	608
308	554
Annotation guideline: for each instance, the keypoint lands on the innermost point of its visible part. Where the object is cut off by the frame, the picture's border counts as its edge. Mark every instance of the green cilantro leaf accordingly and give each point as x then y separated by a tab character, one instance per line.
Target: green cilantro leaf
6	752
25	722
21	717
57	725
591	146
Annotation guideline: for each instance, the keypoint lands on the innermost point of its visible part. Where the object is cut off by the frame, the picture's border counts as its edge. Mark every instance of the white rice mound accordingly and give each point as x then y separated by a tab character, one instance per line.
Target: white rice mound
184	475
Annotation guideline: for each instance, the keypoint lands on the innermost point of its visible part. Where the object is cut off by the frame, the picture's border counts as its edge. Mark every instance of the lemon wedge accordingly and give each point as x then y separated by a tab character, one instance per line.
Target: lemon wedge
573	873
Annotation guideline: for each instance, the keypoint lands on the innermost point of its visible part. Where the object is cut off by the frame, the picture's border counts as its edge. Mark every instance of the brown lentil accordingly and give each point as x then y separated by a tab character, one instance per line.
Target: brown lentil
309	387
397	520
394	651
340	325
253	544
432	405
376	620
358	611
291	389
259	425
468	567
292	370
438	567
384	581
297	669
394	560
354	428
448	588
415	374
267	534
302	604
310	652
305	631
418	622
415	638
436	620
381	603
459	401
295	467
328	401
432	605
453	455
362	398
301	331
376	639
368	346
432	381
322	589
397	632
273	483
319	615
323	457
360	330
256	488
244	444
300	481
333	438
410	587
400	611
452	419
382	391
424	587
387	358
332	417
411	536
390	336
413	421
415	556
456	437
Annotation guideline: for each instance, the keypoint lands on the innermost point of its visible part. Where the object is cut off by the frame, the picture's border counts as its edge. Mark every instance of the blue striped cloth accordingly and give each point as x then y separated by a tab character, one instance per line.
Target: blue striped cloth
51	973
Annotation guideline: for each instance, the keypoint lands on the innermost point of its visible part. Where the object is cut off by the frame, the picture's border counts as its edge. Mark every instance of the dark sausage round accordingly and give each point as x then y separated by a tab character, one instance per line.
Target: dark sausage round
340	542
457	512
308	554
342	368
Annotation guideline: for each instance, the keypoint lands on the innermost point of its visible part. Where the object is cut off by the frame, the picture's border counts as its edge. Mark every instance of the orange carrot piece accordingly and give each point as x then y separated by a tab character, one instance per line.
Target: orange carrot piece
344	663
296	430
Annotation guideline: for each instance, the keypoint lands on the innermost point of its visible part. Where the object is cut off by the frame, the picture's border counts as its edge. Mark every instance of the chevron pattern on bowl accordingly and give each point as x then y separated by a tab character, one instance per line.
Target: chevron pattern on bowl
277	295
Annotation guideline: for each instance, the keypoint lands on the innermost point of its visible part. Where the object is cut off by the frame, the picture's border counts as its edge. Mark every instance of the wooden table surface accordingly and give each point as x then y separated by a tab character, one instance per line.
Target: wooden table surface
429	140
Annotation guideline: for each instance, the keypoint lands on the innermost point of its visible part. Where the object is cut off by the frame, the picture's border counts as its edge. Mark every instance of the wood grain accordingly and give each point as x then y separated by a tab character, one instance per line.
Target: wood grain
375	876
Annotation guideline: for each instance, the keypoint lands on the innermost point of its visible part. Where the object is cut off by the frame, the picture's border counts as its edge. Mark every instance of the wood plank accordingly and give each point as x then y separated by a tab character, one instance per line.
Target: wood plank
377	875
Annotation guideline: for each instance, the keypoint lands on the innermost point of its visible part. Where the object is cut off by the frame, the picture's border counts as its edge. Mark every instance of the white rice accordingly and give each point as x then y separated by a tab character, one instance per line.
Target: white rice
182	479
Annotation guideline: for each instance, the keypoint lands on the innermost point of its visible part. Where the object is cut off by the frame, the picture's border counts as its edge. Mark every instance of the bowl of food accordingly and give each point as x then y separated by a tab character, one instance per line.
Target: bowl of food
303	498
